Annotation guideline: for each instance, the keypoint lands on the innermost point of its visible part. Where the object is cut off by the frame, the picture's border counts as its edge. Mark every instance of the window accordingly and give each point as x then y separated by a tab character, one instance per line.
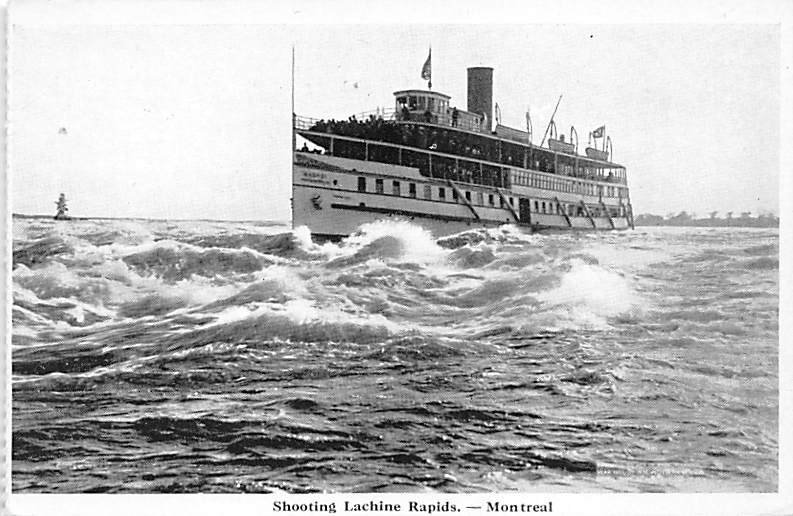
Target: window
543	206
378	186
427	192
490	200
537	206
454	195
412	189
468	196
442	193
480	198
361	184
397	188
511	201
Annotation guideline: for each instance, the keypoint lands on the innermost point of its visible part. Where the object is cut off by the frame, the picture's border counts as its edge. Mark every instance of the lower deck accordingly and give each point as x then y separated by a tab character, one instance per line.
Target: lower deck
333	196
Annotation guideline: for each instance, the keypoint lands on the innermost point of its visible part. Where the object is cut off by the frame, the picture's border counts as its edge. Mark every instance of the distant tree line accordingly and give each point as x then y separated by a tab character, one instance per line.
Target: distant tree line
763	220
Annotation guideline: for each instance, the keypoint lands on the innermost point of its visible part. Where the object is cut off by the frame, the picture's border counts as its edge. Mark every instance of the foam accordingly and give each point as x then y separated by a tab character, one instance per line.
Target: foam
417	244
589	294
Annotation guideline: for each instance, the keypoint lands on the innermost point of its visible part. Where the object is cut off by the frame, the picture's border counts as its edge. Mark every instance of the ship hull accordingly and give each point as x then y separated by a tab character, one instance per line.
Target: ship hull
334	196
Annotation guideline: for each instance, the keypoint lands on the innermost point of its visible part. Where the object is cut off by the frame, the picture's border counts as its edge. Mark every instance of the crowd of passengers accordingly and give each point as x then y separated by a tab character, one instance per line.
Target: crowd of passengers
453	142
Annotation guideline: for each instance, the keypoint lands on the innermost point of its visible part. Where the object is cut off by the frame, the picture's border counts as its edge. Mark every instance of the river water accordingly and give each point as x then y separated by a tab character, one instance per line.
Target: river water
194	356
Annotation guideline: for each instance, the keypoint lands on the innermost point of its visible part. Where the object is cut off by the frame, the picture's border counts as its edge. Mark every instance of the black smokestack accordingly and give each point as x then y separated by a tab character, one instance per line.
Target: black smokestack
480	93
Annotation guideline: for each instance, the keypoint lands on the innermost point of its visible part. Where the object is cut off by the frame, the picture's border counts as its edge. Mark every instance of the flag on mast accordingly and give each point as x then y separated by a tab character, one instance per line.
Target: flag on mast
598	133
426	70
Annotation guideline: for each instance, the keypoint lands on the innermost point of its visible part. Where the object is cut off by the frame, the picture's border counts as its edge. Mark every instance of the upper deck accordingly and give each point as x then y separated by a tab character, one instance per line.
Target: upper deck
447	141
431	130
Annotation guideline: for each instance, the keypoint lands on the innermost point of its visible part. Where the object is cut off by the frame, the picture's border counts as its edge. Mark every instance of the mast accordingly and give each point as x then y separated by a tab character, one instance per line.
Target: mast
551	120
294	138
293	96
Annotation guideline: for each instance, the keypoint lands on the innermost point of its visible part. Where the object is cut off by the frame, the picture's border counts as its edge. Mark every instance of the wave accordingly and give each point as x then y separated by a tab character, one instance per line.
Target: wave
40	251
764	263
287	245
176	263
298	322
472	258
393	240
386	270
587	295
761	250
382	248
56	280
152	304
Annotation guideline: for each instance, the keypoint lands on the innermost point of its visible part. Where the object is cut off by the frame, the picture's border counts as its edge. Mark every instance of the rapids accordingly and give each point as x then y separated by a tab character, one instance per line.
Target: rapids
196	356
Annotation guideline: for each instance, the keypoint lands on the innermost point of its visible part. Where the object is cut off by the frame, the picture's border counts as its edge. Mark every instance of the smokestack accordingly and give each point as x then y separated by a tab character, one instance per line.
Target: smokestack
480	93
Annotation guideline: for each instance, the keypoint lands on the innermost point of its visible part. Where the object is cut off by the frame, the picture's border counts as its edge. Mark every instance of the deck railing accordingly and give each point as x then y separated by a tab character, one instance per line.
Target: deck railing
308	124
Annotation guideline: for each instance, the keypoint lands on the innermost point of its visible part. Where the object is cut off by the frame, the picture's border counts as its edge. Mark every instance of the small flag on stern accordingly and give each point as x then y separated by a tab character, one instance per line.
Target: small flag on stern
598	133
426	70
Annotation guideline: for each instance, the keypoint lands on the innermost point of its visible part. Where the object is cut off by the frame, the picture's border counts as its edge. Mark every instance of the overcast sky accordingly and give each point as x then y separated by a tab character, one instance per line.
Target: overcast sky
187	121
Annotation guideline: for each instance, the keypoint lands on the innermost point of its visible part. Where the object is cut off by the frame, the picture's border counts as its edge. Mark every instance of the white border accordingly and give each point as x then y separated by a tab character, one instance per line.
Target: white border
353	11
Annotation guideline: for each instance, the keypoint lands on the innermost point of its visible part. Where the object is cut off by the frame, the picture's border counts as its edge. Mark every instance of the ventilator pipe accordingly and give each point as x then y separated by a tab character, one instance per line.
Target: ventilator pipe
573	132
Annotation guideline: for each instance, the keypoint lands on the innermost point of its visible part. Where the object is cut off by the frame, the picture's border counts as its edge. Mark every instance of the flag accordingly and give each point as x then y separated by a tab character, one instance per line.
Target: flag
598	133
426	70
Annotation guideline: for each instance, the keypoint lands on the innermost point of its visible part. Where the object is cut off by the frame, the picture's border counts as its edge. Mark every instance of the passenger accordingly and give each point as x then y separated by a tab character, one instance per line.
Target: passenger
455	116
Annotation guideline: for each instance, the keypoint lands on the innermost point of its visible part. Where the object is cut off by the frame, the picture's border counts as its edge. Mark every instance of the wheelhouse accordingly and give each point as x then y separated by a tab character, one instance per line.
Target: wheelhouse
433	107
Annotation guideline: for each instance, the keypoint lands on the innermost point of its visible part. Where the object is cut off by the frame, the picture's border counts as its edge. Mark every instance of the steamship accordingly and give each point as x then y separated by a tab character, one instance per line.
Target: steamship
449	170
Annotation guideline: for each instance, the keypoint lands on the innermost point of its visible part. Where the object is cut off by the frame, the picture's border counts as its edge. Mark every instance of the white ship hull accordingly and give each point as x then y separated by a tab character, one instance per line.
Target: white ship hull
334	196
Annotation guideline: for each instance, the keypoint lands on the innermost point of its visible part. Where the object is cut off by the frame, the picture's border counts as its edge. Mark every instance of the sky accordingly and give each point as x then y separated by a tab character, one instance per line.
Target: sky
186	120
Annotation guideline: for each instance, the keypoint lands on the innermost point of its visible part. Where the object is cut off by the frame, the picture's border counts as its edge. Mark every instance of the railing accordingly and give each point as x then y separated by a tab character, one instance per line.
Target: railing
391	114
449	121
304	123
325	127
380	114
